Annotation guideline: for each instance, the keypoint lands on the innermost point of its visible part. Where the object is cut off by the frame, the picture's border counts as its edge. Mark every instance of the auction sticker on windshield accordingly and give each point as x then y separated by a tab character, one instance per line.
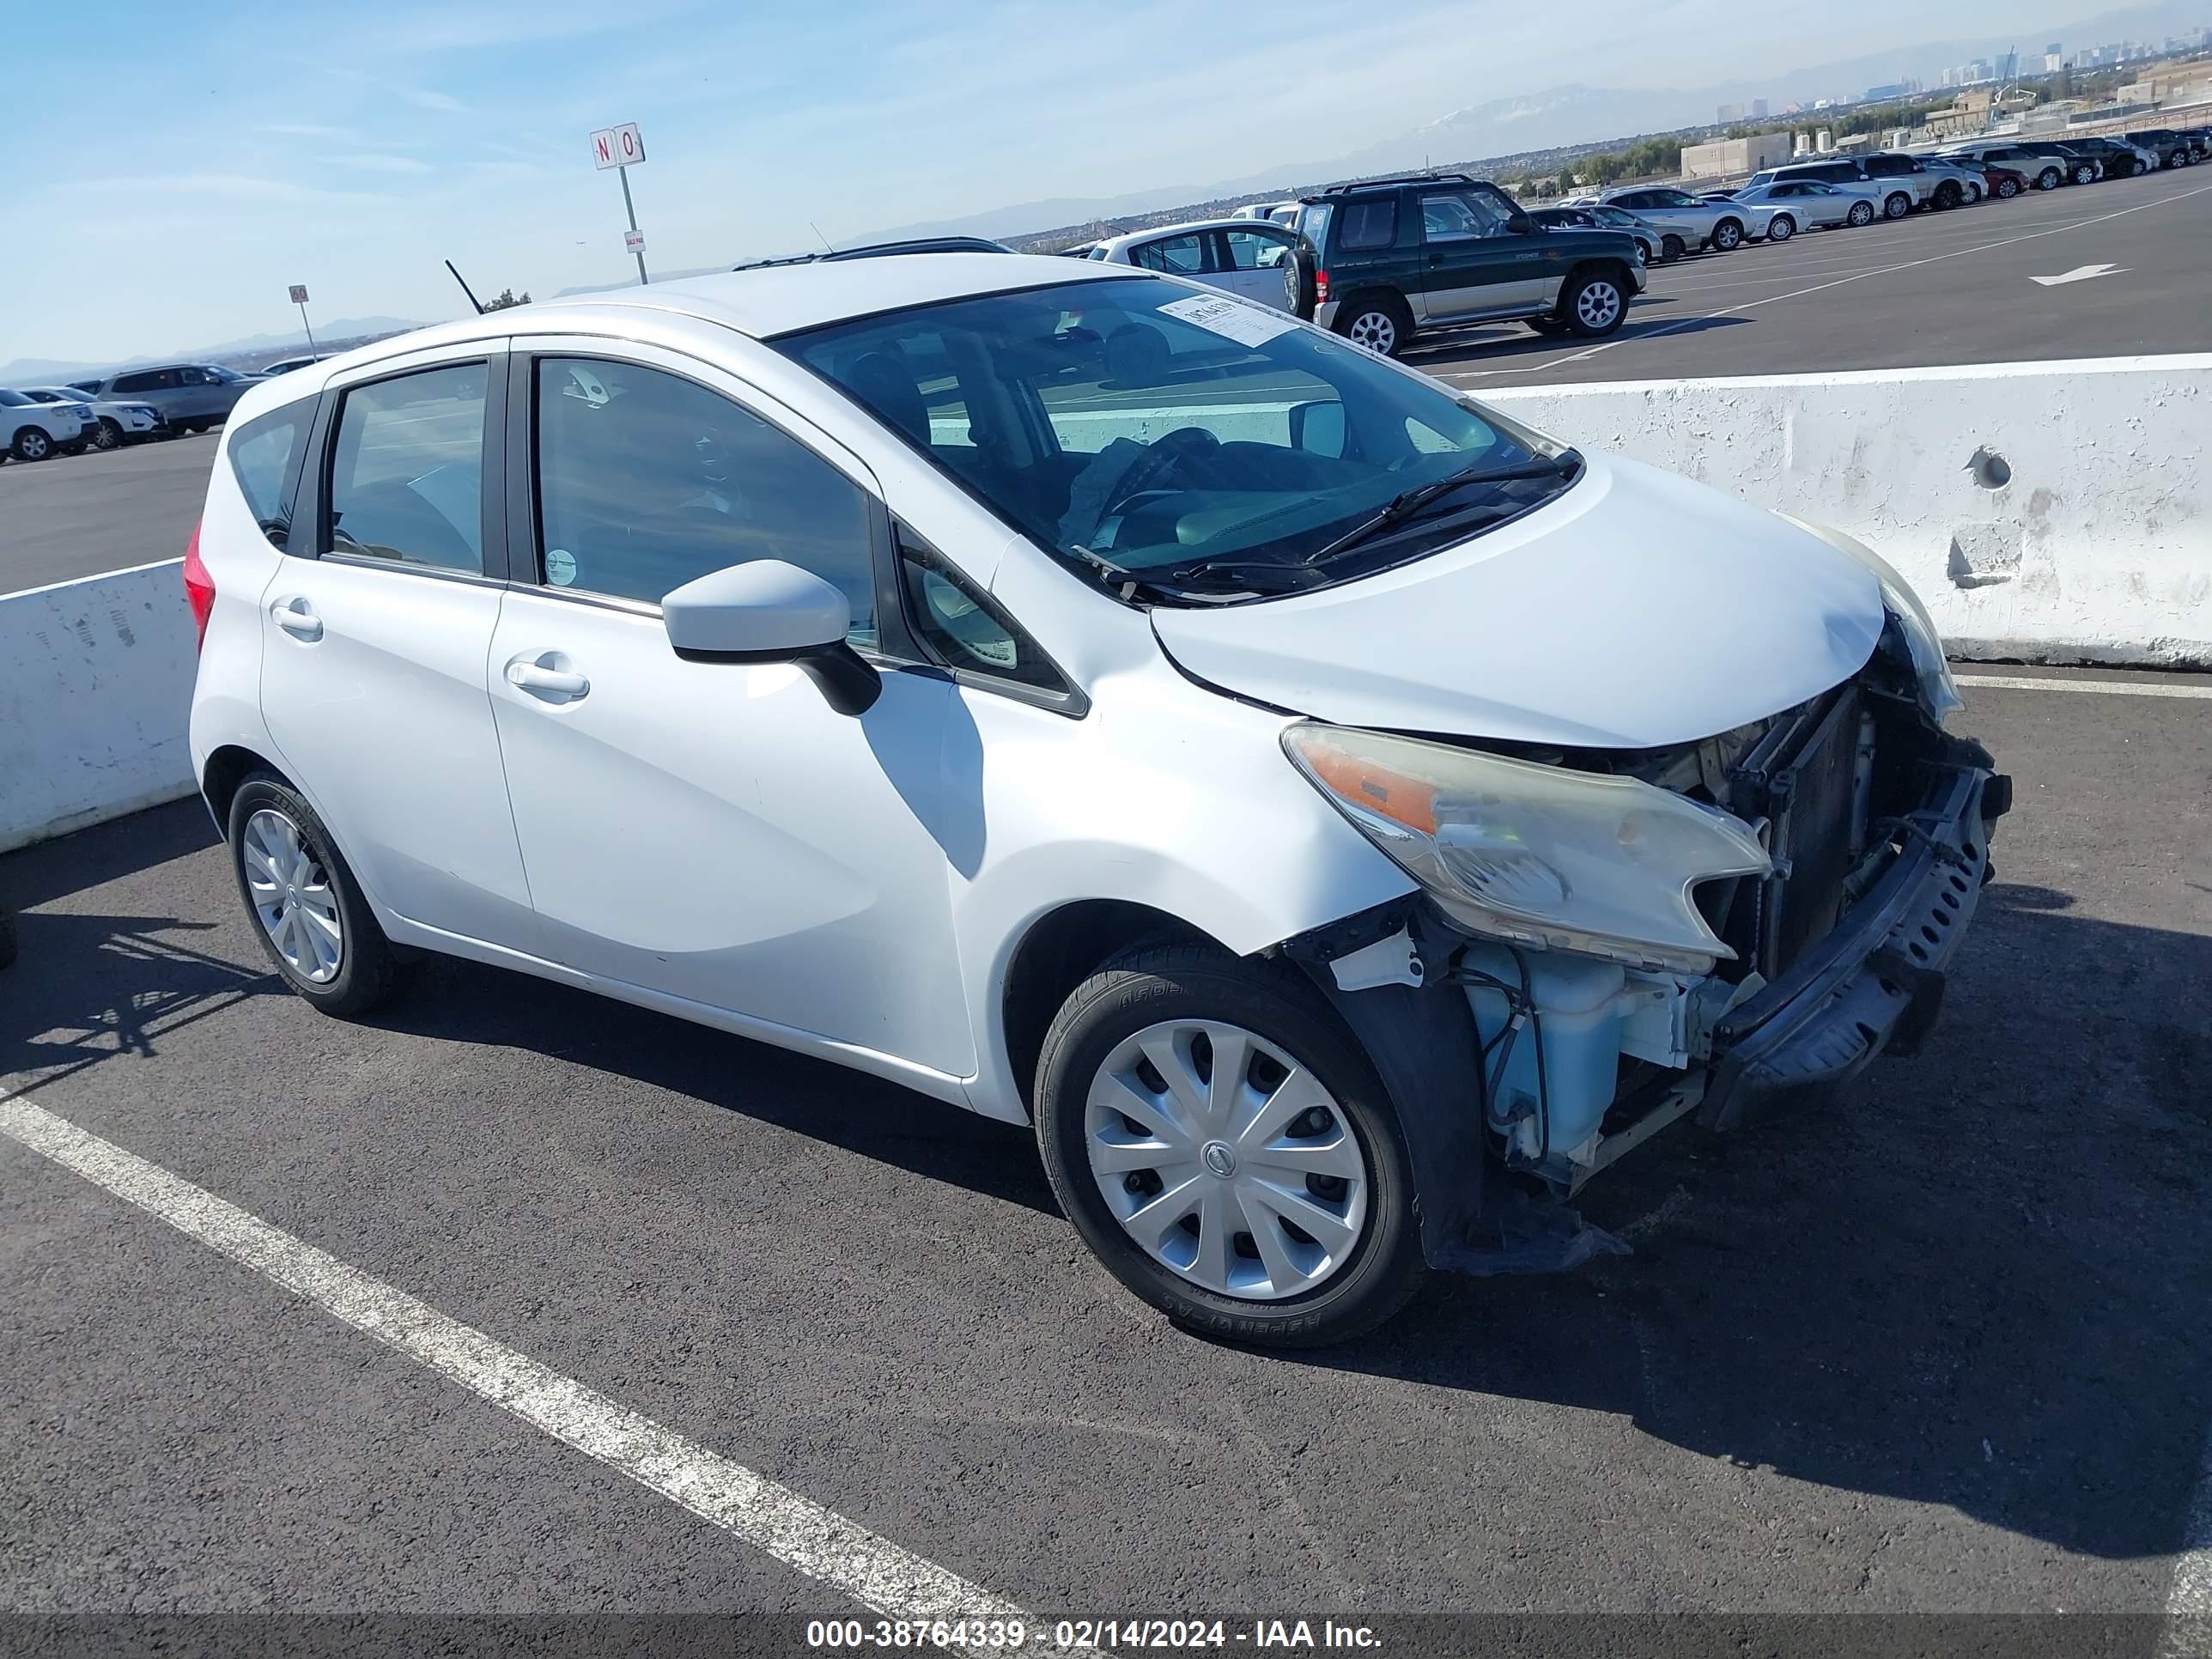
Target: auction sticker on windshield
1231	319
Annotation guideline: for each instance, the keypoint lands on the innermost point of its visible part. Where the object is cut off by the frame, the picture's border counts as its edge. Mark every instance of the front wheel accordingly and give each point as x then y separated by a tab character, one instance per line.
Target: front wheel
1948	195
1383	325
1223	1145
2007	189
1546	324
2048	178
1862	213
311	915
1728	236
32	444
106	434
2085	175
1671	249
1781	227
1897	206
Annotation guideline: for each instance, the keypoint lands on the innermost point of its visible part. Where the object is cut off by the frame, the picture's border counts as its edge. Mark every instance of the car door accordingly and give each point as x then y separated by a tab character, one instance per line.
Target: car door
160	388
1471	264
200	397
1250	262
376	628
715	833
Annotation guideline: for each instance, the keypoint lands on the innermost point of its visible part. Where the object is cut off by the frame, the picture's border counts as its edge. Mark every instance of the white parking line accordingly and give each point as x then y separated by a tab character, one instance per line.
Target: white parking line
2109	688
798	1532
2189	1603
1542	364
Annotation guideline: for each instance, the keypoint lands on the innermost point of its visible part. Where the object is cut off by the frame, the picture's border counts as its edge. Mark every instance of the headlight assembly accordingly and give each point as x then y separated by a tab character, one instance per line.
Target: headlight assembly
1938	690
1536	854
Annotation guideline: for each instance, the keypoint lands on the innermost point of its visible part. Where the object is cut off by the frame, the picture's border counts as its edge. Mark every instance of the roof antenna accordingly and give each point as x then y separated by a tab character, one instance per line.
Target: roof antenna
473	300
817	229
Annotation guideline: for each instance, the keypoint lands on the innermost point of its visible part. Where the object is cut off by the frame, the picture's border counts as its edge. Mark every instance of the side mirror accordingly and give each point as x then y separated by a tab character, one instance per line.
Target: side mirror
768	611
1520	225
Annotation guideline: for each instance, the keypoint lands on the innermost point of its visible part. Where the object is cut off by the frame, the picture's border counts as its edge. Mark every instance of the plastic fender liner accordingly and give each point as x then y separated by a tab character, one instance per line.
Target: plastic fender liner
1473	1218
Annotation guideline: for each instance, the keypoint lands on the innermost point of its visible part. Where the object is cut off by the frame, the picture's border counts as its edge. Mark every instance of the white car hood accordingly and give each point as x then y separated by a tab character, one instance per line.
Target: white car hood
1638	609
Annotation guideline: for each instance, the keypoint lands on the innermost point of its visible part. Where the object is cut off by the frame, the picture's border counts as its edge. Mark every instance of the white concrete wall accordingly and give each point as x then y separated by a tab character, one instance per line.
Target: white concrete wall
96	691
2097	546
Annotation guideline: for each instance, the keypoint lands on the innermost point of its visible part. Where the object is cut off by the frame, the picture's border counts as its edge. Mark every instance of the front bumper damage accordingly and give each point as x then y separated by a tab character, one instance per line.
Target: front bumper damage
1872	983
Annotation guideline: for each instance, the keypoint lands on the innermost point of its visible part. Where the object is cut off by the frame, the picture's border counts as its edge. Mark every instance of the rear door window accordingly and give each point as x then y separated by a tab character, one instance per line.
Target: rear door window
1459	216
1183	256
1370	224
1255	250
407	472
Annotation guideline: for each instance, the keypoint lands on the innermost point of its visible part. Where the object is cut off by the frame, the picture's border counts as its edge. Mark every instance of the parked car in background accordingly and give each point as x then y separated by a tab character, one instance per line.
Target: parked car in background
2173	148
1795	204
2200	142
1892	198
34	431
112	424
1277	213
2005	182
189	396
2042	170
286	365
1381	259
1932	185
1685	224
1865	199
1239	256
2115	157
1594	215
1338	822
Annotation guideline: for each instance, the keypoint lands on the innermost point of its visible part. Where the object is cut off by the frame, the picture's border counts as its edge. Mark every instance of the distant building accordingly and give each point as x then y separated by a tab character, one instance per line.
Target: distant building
1758	109
2053	62
1883	95
1725	158
1729	114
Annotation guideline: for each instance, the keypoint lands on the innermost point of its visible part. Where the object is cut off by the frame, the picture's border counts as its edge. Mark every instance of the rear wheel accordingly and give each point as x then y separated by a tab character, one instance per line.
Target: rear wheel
313	919
2007	189
2084	173
1781	227
1379	322
1546	324
1728	235
2048	178
1671	249
1948	195
1226	1149
1897	204
31	444
1862	213
1594	304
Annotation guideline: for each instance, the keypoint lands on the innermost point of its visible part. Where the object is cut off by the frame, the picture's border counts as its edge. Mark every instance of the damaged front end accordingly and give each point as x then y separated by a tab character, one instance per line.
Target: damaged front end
1706	928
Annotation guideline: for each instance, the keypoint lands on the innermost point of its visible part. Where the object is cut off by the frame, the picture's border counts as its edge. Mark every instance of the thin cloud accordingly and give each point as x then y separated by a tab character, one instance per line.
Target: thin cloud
370	161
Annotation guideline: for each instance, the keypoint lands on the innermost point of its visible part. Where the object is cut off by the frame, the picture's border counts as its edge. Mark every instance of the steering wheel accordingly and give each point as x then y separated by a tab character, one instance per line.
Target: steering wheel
1162	456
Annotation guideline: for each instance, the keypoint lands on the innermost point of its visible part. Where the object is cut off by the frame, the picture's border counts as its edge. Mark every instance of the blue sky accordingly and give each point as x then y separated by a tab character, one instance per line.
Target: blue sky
216	153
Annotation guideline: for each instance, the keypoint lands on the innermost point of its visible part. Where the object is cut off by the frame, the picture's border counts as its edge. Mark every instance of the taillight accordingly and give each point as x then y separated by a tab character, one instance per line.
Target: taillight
1321	285
199	589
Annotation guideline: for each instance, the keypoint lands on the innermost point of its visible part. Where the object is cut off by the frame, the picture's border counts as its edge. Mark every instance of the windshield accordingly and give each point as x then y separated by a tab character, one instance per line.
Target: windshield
1185	440
12	399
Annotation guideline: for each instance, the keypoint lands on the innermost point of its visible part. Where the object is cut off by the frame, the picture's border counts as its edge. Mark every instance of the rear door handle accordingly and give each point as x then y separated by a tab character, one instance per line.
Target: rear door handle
297	618
549	675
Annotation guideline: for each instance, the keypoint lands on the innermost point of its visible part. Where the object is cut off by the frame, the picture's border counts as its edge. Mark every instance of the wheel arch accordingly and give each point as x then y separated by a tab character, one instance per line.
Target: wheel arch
227	767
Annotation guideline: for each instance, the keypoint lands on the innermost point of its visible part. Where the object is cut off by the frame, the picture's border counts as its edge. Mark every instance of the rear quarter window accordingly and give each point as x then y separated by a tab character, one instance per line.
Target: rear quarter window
1370	224
263	453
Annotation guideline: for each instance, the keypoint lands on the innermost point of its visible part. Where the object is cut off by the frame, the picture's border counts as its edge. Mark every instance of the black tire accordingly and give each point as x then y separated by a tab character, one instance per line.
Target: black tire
7	938
1547	324
1672	248
2007	189
1948	195
1781	227
2048	178
107	434
2085	172
1379	321
31	443
368	970
1147	986
1859	212
1583	305
1728	235
1298	282
1896	204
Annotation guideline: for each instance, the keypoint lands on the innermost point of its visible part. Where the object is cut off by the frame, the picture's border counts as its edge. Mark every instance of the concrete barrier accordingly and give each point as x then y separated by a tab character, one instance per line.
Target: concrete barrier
95	692
2057	512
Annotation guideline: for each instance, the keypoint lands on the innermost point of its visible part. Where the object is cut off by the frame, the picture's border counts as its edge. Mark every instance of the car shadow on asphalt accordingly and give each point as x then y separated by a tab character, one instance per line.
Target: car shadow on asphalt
1977	1278
1452	351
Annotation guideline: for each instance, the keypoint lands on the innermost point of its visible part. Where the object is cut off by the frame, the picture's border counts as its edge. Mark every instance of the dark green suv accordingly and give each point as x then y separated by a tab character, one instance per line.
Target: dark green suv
1380	261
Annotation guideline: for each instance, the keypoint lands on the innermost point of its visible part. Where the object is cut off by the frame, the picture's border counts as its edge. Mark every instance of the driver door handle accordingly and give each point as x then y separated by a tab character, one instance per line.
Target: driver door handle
547	676
297	618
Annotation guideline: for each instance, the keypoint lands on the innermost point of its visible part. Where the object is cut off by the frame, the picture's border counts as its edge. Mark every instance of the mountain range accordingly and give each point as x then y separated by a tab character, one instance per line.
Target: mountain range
40	371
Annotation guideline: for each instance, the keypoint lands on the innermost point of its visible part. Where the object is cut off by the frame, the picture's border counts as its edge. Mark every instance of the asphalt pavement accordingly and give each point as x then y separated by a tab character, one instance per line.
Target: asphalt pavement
1934	288
1938	1348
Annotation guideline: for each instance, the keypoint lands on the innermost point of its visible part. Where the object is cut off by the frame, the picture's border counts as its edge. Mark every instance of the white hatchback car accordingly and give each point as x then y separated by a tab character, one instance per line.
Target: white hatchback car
1239	256
1342	821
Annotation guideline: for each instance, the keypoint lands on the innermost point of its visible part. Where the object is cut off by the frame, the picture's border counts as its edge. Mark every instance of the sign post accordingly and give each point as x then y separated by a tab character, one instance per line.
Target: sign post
622	148
300	299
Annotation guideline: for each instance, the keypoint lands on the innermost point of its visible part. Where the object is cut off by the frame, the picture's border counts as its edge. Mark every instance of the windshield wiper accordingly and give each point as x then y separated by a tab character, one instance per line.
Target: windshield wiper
1404	505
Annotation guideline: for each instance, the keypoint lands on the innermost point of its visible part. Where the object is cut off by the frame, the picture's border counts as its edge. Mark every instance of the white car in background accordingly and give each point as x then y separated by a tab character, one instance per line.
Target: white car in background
1795	204
1275	213
1242	257
32	431
286	365
1035	728
113	423
1870	194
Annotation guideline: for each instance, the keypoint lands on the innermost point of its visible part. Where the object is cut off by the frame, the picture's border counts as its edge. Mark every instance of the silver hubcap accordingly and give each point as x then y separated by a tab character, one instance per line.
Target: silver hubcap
1861	214
291	897
1780	230
1728	237
1375	330
1226	1161
34	446
1598	304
